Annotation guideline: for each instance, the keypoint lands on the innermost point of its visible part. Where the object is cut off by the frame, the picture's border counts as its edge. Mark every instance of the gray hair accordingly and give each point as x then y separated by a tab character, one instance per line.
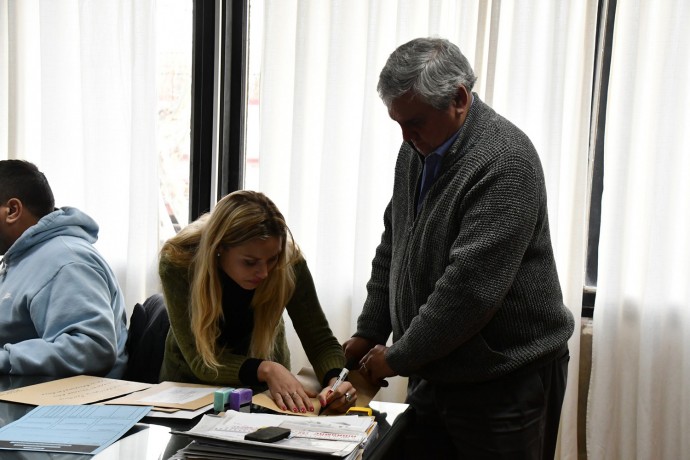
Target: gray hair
432	68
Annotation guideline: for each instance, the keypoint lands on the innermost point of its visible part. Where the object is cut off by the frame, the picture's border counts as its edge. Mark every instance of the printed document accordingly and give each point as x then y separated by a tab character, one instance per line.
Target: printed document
70	429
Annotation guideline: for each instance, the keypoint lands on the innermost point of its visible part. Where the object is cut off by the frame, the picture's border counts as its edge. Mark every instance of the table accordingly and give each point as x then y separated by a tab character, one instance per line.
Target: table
152	439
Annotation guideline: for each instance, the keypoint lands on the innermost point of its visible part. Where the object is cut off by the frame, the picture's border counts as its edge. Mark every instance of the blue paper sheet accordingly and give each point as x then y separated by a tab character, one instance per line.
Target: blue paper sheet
70	429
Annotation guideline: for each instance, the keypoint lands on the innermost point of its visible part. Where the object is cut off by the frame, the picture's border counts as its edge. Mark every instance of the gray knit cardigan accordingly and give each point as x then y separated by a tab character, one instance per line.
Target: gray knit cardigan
468	287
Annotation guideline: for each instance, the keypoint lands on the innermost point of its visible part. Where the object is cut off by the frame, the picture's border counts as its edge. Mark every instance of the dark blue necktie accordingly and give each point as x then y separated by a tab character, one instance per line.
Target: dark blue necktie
428	177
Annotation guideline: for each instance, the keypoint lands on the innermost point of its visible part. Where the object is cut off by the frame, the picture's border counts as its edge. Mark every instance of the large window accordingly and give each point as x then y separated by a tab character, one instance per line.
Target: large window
325	97
252	154
174	83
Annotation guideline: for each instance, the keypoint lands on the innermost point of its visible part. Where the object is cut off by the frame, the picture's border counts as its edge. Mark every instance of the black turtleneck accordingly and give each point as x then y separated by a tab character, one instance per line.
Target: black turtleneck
237	326
238	323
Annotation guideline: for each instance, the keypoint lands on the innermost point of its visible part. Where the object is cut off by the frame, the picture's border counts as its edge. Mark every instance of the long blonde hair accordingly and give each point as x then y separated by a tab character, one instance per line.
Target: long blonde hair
237	218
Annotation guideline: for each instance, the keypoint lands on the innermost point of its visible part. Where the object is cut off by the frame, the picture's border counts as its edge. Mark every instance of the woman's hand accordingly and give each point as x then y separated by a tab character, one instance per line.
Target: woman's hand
341	399
285	389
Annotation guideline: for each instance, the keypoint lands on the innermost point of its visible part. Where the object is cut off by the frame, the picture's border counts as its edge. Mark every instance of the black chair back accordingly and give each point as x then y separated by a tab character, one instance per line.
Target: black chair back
148	328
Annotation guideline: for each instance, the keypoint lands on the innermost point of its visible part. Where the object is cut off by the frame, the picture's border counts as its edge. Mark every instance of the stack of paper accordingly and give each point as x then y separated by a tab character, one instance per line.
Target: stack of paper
168	399
64	420
310	438
172	399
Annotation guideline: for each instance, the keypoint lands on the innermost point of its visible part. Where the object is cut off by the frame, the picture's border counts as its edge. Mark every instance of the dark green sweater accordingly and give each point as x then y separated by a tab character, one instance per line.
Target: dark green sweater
182	363
469	286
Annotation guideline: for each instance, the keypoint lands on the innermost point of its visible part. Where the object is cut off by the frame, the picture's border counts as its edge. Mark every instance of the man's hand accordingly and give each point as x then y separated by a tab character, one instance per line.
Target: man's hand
373	366
355	348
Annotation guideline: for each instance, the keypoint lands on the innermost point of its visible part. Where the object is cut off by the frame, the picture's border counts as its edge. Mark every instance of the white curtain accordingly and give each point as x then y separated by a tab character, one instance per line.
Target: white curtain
77	98
639	402
328	148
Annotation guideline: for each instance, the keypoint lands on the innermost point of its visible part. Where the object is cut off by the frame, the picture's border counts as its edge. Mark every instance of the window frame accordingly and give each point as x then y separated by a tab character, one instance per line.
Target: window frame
231	20
227	20
606	15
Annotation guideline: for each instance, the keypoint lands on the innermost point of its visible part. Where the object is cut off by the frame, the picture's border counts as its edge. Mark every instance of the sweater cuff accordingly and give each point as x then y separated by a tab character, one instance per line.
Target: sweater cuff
397	361
249	370
329	375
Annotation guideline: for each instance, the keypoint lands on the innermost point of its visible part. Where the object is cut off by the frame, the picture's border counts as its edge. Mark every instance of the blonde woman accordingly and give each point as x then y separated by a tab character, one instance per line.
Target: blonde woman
227	278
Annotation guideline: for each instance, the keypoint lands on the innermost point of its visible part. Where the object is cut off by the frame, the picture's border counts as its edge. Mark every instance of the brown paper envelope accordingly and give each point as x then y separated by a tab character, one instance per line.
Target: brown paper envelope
80	389
307	377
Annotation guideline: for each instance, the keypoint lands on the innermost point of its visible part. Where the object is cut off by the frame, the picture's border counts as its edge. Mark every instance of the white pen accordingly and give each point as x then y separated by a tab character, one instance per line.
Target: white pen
339	380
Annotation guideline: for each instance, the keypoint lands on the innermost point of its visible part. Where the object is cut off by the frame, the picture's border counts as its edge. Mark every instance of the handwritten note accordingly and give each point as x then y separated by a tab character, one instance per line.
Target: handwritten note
81	389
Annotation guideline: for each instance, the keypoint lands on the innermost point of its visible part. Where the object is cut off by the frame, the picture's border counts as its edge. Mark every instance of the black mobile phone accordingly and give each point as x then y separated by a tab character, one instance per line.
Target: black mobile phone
268	434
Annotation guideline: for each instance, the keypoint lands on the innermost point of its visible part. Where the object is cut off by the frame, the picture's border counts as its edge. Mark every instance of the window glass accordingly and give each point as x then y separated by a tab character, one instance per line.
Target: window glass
251	167
174	82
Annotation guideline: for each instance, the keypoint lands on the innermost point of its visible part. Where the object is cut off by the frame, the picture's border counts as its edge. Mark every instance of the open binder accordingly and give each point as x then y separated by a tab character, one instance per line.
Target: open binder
222	436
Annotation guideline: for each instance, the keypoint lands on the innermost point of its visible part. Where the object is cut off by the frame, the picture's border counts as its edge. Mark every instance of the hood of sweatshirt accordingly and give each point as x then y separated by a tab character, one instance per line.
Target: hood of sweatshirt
65	221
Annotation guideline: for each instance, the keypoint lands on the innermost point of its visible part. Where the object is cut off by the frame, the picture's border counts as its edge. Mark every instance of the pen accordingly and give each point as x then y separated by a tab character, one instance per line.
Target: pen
339	380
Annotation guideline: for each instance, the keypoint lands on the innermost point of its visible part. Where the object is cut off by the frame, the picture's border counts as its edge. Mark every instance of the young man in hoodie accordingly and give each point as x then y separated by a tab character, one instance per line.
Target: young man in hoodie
62	311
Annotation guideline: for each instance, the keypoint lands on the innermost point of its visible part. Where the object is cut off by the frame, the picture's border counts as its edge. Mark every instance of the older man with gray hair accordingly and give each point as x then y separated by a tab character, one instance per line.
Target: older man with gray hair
464	276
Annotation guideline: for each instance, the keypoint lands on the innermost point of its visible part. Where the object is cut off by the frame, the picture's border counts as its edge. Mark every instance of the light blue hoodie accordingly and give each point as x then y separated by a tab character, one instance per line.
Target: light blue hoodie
62	311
